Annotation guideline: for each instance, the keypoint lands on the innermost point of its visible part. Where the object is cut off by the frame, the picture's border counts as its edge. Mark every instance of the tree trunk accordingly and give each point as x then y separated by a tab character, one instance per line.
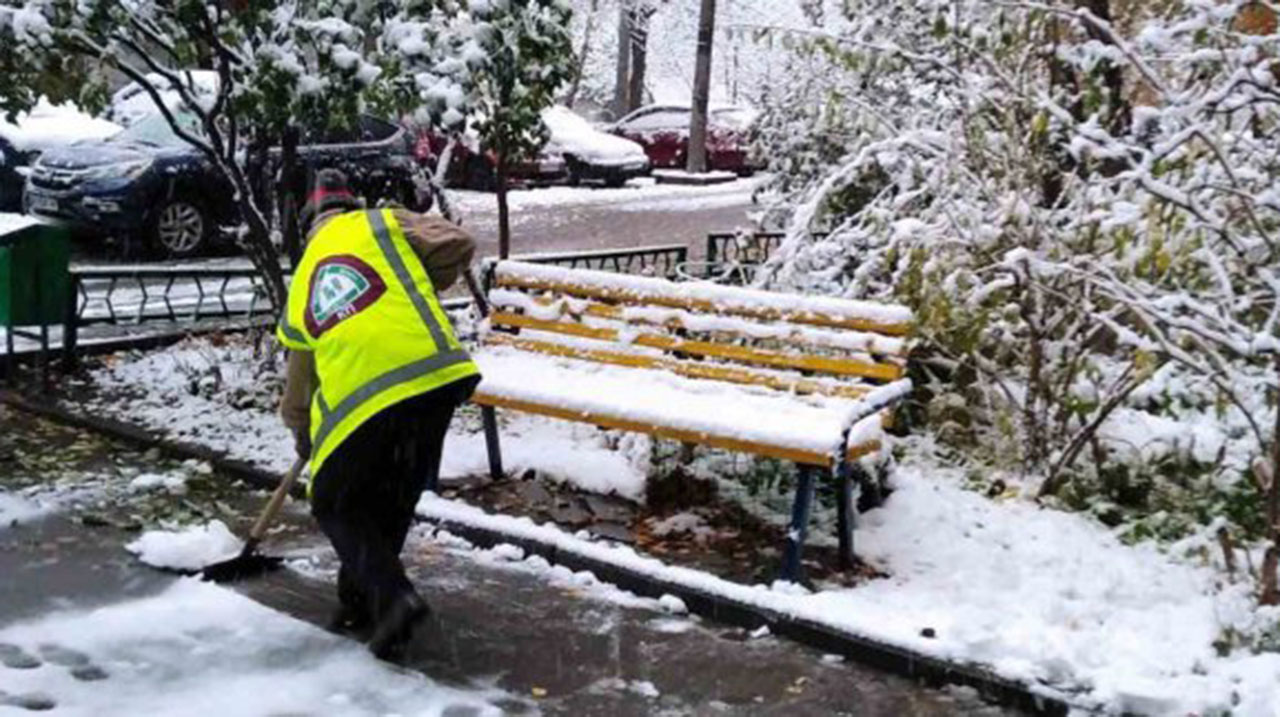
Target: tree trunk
437	180
623	67
697	161
584	52
639	58
252	193
504	220
289	189
1271	559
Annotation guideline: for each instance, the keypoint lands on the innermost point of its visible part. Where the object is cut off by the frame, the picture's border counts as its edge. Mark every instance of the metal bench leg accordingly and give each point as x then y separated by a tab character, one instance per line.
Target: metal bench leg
844	514
490	417
791	568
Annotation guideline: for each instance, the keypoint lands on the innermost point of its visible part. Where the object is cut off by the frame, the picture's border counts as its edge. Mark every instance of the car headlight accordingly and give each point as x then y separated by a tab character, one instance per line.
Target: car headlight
120	170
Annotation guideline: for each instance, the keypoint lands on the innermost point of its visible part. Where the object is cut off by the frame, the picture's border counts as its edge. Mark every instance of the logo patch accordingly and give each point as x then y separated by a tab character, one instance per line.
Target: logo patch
341	287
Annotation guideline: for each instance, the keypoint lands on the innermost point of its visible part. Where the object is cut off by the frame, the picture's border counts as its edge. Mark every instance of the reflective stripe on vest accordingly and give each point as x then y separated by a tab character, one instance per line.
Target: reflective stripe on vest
378	351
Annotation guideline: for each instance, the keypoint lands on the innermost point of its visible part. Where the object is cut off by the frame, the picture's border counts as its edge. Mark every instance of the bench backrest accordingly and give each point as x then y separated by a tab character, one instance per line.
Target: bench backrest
803	344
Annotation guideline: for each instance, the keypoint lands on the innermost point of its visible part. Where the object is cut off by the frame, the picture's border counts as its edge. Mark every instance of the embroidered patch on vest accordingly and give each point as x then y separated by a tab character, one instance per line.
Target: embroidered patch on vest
341	287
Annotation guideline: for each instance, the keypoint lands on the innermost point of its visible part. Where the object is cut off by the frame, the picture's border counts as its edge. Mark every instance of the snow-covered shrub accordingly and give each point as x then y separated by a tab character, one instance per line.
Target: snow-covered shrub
1074	210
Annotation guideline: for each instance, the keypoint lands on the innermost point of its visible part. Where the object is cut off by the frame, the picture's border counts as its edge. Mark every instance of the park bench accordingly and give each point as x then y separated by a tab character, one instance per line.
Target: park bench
797	378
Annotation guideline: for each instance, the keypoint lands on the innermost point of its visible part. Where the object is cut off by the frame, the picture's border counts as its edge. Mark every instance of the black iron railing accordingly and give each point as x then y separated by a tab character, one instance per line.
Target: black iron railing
744	249
728	248
660	261
136	295
184	297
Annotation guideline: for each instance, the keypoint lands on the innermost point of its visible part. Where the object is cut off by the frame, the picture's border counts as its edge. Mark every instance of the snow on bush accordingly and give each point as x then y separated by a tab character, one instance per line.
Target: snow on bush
1081	208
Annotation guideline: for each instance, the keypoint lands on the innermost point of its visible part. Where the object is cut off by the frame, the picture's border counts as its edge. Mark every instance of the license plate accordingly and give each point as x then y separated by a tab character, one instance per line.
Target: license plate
43	204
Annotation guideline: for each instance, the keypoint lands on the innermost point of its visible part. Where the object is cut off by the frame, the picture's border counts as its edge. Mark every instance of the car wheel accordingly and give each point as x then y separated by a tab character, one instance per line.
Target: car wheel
180	228
614	182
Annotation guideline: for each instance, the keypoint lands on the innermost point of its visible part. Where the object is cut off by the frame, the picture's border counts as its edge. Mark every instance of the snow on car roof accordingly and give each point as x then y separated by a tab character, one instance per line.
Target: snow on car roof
131	103
48	125
572	133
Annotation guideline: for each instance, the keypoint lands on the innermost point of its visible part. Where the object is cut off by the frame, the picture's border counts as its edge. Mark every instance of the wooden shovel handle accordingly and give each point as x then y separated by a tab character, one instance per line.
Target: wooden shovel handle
272	507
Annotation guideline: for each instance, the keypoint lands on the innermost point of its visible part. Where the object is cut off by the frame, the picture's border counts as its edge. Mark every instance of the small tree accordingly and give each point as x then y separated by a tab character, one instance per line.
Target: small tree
511	60
278	66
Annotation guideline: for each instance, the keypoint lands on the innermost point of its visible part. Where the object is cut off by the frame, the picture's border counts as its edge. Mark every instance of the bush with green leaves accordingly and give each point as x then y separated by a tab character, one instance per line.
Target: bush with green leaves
1074	211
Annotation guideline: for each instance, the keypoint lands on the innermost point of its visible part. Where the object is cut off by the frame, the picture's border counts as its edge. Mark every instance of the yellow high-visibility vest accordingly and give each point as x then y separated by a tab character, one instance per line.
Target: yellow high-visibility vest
362	302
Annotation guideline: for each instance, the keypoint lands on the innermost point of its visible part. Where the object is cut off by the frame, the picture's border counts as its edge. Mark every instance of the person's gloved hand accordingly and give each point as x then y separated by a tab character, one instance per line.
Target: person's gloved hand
302	443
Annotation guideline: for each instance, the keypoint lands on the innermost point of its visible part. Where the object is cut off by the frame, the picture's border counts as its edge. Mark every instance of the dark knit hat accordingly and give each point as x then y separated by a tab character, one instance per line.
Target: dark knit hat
329	191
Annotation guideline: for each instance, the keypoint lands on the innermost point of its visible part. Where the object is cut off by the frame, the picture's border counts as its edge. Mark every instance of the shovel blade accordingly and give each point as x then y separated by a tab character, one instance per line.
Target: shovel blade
241	567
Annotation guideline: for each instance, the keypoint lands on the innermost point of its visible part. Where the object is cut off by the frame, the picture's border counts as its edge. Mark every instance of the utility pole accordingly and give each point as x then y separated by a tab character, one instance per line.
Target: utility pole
622	74
697	161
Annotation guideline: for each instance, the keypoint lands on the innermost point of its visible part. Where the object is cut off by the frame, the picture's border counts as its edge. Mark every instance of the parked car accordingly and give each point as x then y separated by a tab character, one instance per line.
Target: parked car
470	167
148	184
132	103
592	155
575	152
663	131
46	126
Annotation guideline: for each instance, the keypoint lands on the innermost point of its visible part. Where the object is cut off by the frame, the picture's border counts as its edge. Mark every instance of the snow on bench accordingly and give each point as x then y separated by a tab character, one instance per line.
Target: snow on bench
799	378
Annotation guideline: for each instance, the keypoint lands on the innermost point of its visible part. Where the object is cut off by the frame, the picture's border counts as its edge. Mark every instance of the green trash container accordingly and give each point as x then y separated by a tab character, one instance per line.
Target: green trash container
34	279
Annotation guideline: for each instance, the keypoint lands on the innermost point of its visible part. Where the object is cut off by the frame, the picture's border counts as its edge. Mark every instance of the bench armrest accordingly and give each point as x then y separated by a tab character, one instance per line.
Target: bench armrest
869	406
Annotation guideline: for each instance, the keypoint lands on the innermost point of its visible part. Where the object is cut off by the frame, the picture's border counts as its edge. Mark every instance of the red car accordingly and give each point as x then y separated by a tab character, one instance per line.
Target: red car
663	131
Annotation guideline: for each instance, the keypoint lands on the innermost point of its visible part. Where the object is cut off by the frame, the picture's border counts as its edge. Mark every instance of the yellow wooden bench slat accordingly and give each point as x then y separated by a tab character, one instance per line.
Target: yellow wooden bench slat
681	302
742	354
715	372
618	313
809	458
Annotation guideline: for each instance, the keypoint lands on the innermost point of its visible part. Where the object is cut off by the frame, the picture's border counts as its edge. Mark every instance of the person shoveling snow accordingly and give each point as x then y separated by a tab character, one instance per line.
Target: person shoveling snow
374	375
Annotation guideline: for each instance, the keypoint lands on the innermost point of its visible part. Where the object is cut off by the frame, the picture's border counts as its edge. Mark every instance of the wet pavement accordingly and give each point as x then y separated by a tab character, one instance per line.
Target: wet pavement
560	643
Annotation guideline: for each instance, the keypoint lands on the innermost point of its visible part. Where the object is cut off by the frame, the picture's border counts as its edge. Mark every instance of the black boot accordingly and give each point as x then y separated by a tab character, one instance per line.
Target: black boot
350	620
353	616
395	628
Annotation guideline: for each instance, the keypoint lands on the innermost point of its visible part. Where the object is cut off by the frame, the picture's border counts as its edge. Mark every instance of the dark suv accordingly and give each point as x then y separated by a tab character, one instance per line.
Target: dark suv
147	184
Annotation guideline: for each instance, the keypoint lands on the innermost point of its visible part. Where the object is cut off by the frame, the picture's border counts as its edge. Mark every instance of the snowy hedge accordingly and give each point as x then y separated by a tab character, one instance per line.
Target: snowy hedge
1082	206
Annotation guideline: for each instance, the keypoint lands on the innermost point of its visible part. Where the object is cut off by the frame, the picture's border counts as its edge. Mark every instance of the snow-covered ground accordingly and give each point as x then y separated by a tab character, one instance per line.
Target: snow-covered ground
1051	598
200	649
638	195
18	509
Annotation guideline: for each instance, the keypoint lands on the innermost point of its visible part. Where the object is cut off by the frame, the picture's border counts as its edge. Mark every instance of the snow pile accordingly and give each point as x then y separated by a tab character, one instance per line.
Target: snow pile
197	648
190	548
578	454
15	509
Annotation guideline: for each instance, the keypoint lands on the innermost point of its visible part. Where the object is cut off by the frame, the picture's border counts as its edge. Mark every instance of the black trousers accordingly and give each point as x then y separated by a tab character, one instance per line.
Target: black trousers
364	496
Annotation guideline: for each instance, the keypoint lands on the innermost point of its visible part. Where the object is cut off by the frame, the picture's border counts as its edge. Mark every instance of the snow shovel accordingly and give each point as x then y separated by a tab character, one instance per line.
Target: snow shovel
250	563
